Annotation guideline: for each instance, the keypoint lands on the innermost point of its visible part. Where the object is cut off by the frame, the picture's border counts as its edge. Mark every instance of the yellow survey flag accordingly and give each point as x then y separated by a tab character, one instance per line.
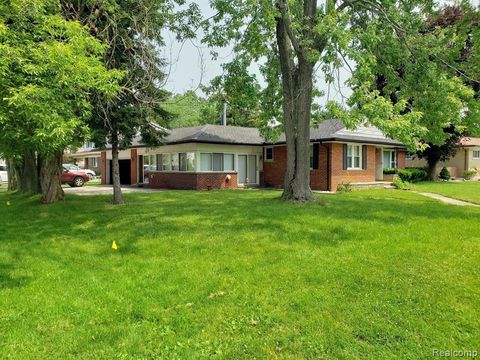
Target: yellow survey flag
114	245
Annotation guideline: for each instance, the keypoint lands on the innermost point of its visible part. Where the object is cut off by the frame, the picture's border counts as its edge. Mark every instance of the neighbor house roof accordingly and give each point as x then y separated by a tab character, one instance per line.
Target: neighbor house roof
470	141
329	130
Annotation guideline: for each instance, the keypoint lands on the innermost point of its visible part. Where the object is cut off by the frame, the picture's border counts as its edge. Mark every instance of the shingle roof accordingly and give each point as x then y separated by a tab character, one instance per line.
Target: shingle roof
470	141
215	134
335	130
329	130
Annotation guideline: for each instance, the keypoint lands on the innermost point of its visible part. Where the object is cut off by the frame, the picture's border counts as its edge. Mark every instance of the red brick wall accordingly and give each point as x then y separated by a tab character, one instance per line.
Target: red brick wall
401	159
274	171
338	175
103	167
216	181
319	177
192	181
133	166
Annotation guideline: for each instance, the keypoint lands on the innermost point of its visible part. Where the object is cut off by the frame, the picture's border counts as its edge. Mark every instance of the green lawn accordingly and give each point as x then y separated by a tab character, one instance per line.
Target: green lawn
378	274
467	190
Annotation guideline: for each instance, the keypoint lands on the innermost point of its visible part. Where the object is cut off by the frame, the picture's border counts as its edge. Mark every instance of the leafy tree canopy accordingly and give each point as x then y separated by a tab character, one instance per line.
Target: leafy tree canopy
49	69
370	38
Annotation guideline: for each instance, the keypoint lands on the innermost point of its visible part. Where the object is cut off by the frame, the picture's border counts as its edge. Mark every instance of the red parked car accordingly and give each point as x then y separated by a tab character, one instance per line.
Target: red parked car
74	178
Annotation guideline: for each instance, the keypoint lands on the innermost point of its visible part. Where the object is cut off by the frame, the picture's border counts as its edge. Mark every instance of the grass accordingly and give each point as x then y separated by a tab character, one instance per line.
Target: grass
371	274
467	190
93	182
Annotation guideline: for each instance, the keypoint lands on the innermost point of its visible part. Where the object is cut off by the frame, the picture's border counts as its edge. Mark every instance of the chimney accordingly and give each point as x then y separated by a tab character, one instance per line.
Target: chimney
224	117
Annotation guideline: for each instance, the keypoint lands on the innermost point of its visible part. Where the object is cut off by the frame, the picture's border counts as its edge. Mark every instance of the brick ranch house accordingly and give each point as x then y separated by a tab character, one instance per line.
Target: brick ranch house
217	156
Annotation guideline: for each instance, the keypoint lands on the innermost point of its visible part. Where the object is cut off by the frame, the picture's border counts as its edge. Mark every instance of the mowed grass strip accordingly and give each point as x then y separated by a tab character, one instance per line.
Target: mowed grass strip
375	274
466	191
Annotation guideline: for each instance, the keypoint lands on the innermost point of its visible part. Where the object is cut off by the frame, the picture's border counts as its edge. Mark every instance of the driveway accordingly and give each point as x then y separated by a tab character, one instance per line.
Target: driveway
104	190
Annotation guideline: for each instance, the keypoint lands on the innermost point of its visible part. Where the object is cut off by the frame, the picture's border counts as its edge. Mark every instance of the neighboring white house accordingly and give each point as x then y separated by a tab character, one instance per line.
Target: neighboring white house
86	157
466	158
3	171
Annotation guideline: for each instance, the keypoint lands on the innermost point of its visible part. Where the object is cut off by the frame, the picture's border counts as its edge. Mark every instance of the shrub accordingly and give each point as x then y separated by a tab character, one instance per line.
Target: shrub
468	174
390	171
402	185
413	175
445	174
344	187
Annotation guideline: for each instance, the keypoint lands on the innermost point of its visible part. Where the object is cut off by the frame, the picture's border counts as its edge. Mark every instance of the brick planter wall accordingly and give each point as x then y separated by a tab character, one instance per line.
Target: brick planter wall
192	181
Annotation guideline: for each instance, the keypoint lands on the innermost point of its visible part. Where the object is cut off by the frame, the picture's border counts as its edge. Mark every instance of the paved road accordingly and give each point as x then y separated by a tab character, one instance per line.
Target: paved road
104	190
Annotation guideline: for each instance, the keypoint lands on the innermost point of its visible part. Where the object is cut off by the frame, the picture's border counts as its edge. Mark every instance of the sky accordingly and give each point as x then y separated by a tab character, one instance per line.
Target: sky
191	63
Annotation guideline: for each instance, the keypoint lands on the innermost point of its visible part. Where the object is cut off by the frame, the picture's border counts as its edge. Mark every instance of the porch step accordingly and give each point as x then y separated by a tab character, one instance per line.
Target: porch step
373	185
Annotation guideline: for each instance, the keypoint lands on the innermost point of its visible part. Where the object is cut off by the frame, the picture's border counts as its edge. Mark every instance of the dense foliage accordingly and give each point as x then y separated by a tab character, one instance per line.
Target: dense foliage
133	32
49	70
412	175
293	40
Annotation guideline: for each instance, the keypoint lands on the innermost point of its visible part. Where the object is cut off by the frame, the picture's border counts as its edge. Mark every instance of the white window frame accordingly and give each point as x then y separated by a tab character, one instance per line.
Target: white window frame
390	162
265	155
211	162
478	154
352	157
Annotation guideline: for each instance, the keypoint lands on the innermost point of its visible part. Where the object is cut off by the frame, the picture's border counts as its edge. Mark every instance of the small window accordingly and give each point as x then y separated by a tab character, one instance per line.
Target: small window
409	156
93	161
269	153
354	159
476	154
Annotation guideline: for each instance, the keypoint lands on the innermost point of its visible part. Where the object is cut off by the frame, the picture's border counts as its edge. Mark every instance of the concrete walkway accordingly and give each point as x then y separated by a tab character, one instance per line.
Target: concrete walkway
446	200
104	190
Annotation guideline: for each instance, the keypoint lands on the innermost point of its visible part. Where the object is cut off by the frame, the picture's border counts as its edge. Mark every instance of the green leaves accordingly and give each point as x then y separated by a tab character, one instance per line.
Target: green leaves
46	81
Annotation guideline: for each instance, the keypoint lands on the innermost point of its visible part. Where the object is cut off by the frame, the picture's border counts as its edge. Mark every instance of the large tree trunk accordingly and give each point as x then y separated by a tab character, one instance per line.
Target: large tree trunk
12	175
297	102
117	188
26	172
432	167
50	173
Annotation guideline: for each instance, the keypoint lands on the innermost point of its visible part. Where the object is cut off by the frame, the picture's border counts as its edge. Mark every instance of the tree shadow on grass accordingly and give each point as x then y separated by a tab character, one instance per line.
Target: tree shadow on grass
8	280
233	215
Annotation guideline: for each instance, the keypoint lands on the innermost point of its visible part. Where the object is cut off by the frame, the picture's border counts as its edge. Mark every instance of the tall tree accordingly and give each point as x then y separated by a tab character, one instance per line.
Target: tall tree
48	70
133	32
458	24
240	90
367	36
186	108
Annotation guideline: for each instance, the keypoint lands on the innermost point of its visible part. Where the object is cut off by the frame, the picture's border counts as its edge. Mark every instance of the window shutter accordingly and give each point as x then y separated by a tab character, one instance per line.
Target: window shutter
345	161
315	155
159	162
364	157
